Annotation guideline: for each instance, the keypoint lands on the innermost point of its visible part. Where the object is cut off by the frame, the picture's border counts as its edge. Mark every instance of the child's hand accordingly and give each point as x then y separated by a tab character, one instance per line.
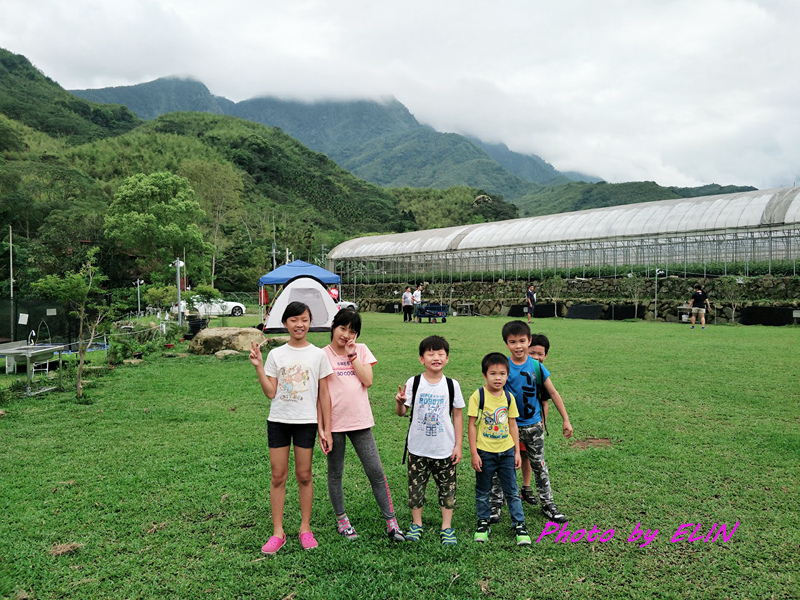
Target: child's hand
476	462
456	456
325	441
567	429
400	397
517	459
255	355
350	346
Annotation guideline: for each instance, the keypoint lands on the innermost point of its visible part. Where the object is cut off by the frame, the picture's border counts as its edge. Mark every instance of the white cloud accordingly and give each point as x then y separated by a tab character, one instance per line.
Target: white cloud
682	92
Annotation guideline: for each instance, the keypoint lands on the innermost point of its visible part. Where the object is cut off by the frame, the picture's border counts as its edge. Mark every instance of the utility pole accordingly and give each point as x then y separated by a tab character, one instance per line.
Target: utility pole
178	264
11	312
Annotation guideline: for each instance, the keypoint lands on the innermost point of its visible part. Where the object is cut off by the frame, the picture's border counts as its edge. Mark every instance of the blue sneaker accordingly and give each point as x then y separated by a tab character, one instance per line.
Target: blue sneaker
448	536
414	533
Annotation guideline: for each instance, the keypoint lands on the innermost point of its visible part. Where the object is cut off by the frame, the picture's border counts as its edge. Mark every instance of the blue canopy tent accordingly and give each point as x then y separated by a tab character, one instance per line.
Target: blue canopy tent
295	269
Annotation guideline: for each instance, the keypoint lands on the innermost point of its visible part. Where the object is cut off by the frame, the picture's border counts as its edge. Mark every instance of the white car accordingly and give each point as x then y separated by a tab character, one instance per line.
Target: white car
213	309
346	304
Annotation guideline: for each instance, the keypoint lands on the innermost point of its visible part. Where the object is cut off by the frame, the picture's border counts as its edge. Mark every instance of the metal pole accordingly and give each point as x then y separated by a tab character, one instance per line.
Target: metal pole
178	280
12	312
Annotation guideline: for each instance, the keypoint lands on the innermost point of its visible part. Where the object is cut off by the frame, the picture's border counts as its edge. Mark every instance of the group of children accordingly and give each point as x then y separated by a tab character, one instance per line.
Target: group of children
322	393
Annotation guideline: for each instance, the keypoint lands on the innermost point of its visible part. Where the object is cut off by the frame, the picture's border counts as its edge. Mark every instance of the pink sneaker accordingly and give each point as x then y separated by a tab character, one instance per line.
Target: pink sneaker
274	544
308	541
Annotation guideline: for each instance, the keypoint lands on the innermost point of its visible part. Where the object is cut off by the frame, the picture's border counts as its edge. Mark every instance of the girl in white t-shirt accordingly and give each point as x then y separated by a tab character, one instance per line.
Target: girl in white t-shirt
351	417
295	379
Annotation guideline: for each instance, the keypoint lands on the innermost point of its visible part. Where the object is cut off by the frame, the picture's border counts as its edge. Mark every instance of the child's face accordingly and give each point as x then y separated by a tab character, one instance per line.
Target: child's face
518	346
496	377
298	326
341	335
537	353
434	360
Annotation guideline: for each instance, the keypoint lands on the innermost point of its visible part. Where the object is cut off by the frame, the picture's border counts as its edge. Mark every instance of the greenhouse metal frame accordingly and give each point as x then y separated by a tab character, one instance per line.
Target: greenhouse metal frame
741	229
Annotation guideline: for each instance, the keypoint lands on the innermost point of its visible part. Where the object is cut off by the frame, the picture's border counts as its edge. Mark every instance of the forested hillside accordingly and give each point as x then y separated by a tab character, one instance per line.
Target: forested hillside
78	177
155	98
223	189
581	196
34	99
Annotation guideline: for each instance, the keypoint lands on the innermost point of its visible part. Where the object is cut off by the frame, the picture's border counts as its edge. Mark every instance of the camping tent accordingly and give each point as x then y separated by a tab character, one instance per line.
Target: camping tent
305	284
298	268
309	291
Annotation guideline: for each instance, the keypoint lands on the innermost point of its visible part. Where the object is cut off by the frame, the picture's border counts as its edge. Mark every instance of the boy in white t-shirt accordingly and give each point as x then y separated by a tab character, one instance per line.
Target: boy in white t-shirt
434	440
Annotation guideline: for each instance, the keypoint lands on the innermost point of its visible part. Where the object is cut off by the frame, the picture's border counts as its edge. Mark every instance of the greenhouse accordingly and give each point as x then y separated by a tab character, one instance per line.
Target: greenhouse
729	234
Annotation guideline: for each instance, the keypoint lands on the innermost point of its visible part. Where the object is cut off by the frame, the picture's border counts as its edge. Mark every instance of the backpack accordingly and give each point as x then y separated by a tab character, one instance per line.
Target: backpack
414	386
483	398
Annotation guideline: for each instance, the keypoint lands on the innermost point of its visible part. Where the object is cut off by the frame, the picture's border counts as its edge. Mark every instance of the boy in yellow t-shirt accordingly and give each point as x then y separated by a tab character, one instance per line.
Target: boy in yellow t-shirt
494	446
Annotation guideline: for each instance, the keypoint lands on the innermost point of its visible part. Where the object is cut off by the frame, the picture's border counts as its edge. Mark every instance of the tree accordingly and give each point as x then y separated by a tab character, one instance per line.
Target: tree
160	297
731	290
632	287
553	288
154	217
204	294
219	187
81	292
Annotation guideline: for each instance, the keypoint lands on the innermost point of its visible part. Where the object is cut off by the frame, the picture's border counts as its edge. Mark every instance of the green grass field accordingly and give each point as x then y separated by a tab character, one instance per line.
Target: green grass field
160	479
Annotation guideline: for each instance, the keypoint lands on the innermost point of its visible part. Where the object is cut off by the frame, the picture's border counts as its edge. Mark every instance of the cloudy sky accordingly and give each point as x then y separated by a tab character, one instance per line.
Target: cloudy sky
681	92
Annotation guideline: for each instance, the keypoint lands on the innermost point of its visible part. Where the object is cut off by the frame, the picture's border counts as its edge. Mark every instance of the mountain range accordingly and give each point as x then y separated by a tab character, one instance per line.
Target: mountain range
379	141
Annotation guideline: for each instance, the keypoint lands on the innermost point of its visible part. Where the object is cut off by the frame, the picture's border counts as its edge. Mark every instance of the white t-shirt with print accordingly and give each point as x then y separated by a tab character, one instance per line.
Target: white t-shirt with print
432	433
298	371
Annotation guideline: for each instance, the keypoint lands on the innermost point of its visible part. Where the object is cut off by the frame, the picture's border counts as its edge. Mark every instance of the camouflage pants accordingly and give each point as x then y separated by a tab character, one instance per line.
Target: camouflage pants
420	468
533	438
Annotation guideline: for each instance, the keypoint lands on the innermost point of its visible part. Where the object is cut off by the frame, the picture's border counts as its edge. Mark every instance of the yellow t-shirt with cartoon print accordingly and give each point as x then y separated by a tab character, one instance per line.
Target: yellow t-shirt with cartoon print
493	433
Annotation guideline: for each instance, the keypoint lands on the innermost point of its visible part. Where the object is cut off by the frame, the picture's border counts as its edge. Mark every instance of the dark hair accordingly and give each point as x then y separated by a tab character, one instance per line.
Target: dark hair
408	287
538	339
347	317
516	328
295	309
434	342
493	358
697	286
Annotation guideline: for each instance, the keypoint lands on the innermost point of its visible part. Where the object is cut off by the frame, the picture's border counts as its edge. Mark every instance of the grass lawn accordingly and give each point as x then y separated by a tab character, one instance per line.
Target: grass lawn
160	479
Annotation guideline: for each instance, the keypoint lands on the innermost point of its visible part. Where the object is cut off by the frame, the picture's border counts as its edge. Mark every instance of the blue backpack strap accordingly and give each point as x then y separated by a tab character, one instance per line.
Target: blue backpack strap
414	387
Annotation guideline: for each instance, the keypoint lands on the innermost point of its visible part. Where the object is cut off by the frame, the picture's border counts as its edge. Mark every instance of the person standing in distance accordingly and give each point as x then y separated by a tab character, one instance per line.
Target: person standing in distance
698	303
408	305
417	297
530	298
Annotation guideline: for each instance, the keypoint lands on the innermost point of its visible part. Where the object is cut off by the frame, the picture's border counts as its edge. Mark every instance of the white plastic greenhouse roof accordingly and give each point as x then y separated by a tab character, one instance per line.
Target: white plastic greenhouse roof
745	210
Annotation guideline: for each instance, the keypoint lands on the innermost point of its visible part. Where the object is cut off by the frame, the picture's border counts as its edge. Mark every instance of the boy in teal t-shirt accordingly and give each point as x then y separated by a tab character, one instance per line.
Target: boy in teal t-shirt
522	382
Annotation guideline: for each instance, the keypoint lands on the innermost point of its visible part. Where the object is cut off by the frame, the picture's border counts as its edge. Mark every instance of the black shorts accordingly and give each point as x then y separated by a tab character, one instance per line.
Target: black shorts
280	435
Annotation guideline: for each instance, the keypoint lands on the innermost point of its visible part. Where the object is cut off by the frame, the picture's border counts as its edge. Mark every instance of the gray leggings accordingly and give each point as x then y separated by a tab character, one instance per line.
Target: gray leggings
364	444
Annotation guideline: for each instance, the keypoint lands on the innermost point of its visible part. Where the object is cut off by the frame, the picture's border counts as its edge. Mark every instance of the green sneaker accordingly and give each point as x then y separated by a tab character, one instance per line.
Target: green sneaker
414	533
482	531
523	539
448	536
